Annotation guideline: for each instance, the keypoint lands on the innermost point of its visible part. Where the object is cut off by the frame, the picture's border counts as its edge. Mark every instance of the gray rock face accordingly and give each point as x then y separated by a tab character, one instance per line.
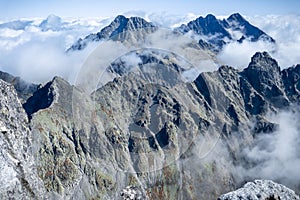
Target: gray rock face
138	131
18	172
291	82
263	73
23	88
261	189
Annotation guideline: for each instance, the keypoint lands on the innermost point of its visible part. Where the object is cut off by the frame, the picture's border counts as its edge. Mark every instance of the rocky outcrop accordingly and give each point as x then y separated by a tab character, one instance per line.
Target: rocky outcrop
261	189
18	174
23	88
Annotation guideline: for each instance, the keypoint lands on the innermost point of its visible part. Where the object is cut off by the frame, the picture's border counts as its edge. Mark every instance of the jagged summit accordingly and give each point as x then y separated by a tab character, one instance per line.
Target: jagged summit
219	32
119	25
238	23
264	74
263	60
236	17
214	33
207	26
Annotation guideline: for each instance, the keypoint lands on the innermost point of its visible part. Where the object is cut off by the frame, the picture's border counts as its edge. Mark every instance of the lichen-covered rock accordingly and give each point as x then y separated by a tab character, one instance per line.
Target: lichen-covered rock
23	88
261	189
18	172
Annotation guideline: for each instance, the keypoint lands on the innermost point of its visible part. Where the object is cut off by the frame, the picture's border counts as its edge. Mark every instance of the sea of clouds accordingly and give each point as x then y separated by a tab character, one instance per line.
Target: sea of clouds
35	49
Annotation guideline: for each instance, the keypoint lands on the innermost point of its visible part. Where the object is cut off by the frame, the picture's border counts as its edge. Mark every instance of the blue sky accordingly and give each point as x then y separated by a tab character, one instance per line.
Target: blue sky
96	8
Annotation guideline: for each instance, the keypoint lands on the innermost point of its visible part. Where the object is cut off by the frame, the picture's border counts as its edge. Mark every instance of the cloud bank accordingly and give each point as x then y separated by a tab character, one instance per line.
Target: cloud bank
284	29
276	156
35	48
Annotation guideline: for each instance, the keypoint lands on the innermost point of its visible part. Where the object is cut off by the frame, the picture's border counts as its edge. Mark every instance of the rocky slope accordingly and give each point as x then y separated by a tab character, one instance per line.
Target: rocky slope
23	88
141	134
134	131
261	189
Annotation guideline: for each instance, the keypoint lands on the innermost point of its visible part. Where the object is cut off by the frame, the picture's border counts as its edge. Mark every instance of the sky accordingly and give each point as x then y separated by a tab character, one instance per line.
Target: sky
11	9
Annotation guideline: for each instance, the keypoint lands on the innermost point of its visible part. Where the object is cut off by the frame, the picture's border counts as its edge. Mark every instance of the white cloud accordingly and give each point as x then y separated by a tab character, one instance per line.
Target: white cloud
284	29
15	45
239	54
37	54
276	155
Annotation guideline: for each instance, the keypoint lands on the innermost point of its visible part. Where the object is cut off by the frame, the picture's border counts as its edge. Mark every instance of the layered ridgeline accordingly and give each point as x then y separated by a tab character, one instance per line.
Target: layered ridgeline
213	33
140	134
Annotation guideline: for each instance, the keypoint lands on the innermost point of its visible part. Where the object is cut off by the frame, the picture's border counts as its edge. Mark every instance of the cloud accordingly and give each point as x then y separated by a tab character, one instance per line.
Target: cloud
284	29
239	55
17	44
276	156
37	53
163	19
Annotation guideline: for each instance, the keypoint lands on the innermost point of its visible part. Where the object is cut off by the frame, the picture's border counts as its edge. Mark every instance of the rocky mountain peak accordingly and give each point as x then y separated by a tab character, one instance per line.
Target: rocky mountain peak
56	91
120	18
236	17
120	24
262	61
219	32
263	73
237	22
52	22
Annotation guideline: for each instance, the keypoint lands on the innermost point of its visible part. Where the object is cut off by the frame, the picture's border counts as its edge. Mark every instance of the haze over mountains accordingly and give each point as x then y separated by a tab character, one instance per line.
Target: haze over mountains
214	33
152	112
18	36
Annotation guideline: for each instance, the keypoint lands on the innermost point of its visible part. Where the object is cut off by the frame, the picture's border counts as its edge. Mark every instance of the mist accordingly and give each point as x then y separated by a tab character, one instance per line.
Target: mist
37	54
284	29
276	155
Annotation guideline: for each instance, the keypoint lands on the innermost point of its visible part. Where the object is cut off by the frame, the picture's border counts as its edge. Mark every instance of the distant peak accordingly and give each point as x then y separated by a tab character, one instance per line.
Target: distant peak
236	17
210	16
52	16
261	55
120	17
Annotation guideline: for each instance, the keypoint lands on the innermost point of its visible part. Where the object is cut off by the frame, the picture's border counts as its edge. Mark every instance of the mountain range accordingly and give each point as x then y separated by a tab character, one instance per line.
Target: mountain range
213	33
147	133
92	146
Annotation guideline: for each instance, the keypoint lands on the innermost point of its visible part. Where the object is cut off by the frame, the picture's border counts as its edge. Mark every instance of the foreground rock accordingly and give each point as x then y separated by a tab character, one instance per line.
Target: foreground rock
261	189
18	173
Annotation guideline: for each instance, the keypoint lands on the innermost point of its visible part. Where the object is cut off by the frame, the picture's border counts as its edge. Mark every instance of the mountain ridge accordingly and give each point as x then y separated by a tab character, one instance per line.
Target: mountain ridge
223	100
215	32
